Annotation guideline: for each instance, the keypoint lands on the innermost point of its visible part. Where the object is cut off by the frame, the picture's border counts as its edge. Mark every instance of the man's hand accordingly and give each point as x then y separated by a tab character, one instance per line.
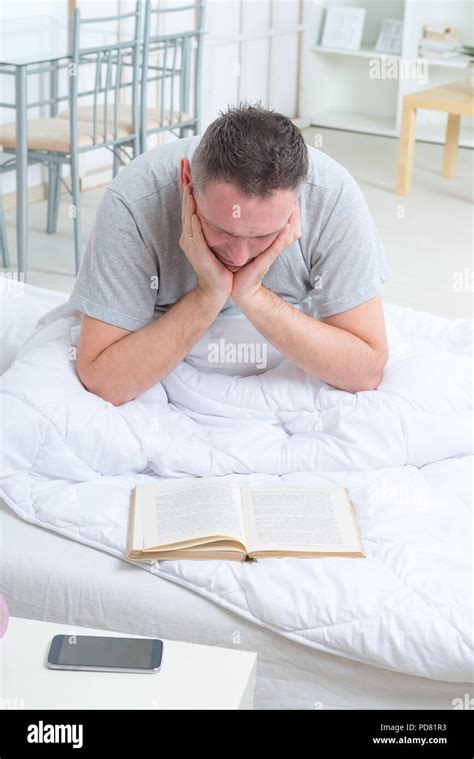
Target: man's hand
248	281
213	277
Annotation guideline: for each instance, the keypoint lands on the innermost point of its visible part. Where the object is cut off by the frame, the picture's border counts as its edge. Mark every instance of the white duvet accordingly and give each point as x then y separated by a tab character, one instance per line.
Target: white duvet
404	452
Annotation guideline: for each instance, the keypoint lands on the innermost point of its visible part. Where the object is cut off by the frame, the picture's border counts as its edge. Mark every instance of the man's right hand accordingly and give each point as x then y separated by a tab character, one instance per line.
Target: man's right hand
213	277
119	365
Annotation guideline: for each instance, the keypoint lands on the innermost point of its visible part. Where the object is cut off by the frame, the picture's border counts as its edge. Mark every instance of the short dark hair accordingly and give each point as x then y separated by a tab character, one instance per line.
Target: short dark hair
257	150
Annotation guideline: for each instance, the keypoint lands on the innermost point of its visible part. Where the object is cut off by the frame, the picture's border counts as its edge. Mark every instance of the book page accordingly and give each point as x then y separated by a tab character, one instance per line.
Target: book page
190	510
135	526
299	518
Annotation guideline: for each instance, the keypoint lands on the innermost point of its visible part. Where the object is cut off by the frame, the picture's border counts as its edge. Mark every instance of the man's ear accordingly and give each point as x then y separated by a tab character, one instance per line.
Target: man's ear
185	173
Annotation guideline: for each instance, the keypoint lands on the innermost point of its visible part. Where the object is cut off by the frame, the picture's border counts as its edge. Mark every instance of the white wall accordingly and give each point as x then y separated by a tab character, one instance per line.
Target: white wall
251	52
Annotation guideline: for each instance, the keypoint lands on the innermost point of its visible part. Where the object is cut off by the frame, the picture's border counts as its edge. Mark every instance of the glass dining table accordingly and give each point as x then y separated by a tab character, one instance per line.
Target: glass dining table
38	45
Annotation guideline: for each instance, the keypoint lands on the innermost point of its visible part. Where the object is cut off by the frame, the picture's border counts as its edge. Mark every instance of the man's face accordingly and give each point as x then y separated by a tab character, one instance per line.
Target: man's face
238	228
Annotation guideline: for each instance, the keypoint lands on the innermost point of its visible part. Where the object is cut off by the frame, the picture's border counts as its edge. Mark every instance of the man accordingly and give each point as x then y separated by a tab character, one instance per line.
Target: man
253	220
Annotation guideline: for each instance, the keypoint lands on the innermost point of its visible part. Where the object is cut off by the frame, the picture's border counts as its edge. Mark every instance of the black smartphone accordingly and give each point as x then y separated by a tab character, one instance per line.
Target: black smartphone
105	654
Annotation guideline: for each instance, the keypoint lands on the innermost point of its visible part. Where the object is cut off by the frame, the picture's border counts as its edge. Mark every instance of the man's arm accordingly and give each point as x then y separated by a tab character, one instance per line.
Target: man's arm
119	365
348	351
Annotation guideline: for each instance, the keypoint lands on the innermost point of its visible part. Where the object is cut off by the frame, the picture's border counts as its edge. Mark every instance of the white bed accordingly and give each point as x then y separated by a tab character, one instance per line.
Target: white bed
45	575
48	577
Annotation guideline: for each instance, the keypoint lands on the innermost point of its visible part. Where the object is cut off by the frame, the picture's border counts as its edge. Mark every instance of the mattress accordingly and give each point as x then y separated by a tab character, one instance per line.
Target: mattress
48	577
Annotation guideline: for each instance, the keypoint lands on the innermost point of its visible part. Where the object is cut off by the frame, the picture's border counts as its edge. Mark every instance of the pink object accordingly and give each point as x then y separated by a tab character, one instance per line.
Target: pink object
4	616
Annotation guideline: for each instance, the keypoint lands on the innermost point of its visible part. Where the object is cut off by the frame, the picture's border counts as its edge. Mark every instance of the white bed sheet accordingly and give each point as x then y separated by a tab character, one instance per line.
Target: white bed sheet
21	305
46	576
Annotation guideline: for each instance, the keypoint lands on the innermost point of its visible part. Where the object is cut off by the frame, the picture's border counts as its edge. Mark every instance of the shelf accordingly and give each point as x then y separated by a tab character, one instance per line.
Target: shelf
355	122
385	126
459	62
343	95
363	52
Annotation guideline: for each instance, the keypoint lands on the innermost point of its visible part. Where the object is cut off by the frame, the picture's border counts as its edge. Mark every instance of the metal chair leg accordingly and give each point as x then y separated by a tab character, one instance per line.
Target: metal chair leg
76	200
53	197
57	198
3	238
116	164
136	146
142	139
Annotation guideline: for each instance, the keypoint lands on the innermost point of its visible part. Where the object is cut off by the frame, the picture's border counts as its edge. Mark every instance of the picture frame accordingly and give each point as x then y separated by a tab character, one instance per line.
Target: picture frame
390	37
343	27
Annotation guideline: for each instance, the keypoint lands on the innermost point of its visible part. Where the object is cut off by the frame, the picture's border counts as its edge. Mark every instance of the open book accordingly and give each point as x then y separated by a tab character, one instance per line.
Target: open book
212	518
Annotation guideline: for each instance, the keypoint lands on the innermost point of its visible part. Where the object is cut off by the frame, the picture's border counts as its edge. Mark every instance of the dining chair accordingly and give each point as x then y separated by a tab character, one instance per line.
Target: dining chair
3	237
171	71
166	59
3	230
59	140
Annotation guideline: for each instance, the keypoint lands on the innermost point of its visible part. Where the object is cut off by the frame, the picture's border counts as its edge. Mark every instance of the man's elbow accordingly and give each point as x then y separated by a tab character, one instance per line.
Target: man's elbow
373	380
370	383
96	386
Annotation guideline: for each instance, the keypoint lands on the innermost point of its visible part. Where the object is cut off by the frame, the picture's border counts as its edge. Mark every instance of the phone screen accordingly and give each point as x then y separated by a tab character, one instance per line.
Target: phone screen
94	651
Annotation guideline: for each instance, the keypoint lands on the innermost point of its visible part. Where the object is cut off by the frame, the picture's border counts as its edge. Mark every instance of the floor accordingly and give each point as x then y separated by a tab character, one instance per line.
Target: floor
427	235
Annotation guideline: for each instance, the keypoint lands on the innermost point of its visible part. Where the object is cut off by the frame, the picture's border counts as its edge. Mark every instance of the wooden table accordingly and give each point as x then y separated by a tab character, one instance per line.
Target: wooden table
455	99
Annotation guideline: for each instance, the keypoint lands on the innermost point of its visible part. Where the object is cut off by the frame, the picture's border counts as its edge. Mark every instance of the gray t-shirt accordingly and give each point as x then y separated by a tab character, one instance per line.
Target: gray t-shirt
134	269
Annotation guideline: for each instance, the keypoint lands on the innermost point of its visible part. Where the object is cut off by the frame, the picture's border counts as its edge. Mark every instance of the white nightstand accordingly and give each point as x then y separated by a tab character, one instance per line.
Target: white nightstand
192	676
